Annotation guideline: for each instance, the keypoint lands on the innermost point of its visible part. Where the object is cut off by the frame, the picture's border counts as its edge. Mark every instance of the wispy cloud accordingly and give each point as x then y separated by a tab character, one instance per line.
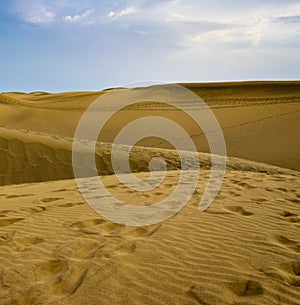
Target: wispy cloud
126	11
84	18
36	12
288	19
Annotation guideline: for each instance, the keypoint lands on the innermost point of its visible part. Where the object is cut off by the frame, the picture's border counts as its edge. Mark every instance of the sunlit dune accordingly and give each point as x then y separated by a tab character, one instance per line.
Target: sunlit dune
244	249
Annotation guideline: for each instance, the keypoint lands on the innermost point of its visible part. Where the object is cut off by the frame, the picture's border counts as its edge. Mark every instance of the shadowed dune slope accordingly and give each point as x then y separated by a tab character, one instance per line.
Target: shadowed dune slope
260	120
32	157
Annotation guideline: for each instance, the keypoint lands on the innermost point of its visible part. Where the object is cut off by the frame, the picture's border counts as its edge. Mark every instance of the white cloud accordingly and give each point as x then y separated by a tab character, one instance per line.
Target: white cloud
41	16
35	12
111	14
126	11
84	18
247	32
255	33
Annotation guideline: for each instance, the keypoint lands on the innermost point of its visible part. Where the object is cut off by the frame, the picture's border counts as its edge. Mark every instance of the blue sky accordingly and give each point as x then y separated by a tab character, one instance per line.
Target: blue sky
67	45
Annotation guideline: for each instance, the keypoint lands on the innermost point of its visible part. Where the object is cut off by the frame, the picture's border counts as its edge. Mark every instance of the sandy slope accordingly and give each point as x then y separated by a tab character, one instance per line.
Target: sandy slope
33	157
259	119
244	249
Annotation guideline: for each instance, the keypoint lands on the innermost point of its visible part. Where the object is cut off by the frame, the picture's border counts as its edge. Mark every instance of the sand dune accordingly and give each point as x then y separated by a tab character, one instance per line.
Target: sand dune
259	119
244	249
34	157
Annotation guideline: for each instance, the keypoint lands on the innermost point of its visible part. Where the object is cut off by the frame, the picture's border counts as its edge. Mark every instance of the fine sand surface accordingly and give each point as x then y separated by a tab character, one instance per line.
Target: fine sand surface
260	120
243	250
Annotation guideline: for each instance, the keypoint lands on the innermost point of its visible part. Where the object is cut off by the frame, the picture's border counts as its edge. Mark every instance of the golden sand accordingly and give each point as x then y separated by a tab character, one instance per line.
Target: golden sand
244	249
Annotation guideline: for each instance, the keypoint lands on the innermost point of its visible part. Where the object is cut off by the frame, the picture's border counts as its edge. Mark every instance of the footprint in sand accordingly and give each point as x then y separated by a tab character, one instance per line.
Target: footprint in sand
234	193
287	272
111	229
295	200
126	248
60	277
288	243
239	210
3	213
290	217
10	221
51	199
87	223
35	210
50	269
6	237
294	269
244	288
100	225
63	190
259	200
140	232
78	249
202	294
18	196
24	243
70	204
282	189
245	185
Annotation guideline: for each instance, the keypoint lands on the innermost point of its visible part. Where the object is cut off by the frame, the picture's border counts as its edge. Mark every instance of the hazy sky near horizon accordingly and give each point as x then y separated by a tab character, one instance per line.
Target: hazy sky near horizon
67	45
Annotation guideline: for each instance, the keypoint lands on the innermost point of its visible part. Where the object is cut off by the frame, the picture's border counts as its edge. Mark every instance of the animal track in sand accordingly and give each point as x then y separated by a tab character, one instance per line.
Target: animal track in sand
239	210
10	221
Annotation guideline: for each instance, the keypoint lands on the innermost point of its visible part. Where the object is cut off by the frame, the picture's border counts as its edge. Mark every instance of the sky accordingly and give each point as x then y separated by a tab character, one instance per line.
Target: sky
75	45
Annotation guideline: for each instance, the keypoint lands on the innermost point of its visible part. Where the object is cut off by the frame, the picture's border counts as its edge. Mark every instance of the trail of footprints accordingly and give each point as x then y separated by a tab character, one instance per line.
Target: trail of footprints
65	272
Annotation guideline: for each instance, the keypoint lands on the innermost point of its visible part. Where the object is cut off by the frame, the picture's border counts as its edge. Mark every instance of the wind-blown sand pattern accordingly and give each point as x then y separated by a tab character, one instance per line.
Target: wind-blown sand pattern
244	249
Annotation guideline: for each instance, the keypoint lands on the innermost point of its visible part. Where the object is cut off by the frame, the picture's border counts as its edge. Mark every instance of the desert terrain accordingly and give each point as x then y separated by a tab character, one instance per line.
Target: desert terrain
244	249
